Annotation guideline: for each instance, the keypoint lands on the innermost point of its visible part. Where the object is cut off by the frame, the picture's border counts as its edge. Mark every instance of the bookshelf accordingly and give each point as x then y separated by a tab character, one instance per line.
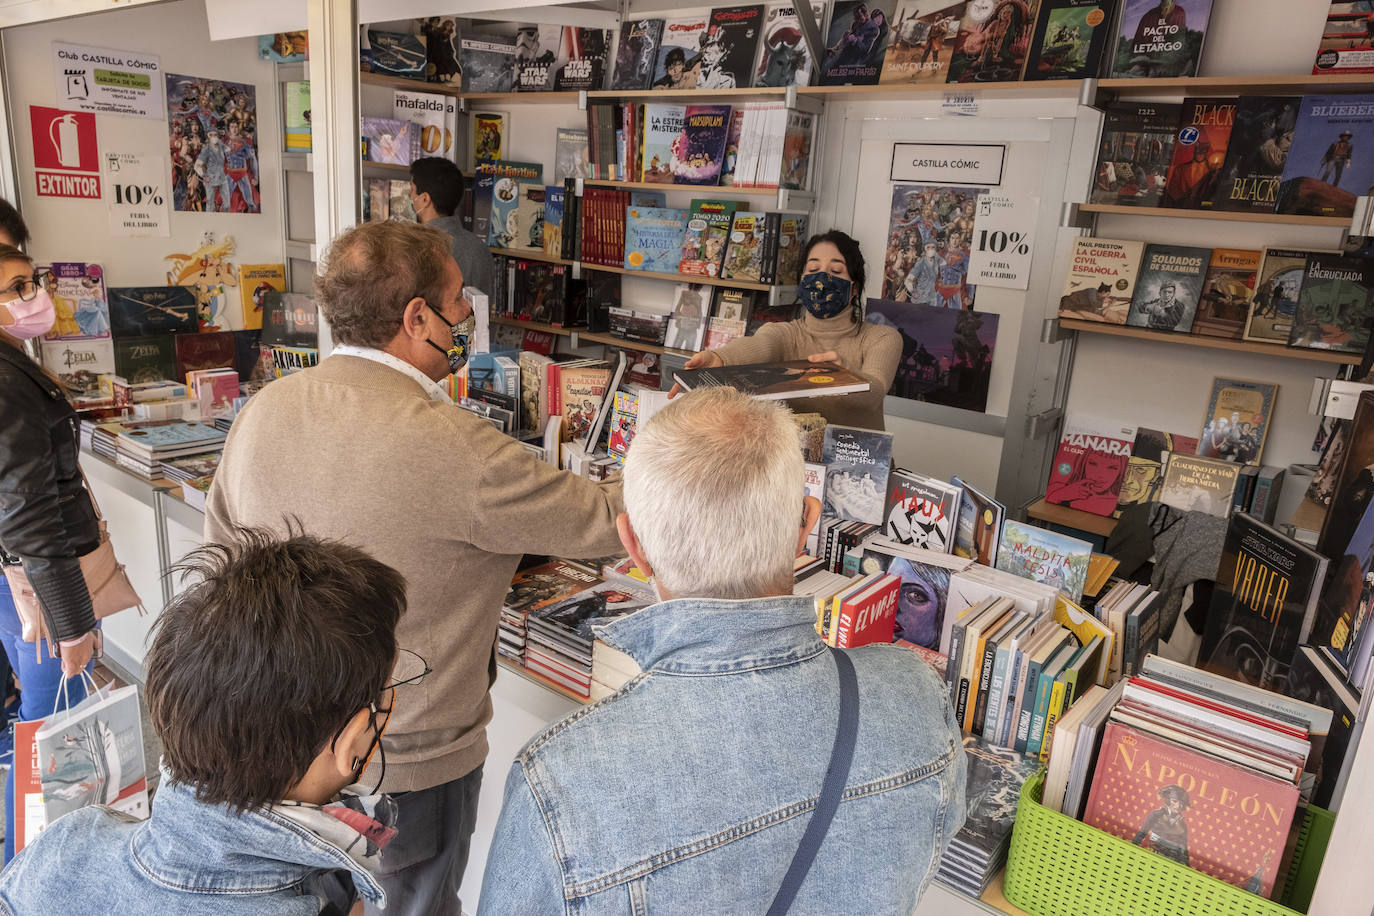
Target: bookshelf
743	94
368	78
529	254
1211	343
900	92
1043	511
708	190
386	168
612	341
1279	84
1334	222
682	278
537	326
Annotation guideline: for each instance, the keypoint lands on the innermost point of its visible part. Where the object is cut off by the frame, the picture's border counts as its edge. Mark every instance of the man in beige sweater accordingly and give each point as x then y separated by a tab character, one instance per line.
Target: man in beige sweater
366	448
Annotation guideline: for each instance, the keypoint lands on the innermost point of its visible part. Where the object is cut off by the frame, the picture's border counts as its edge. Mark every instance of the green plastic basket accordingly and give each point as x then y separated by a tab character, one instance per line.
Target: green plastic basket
1059	866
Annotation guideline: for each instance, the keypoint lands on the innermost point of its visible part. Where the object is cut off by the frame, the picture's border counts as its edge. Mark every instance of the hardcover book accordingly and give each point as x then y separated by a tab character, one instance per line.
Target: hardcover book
730	47
581	61
792	235
1264	605
783	58
398	54
994	39
141	310
1134	154
995	777
79	299
662	128
1168	287
290	319
920	511
679	53
687	327
780	381
390	141
923	37
1193	484
536	51
1070	41
1347	44
707	234
978	525
1160	38
1090	465
1275	300
205	351
488	61
744	254
635	53
80	363
653	238
1044	556
528	231
1327	166
504	229
733	304
1255	158
870	616
1226	293
428	112
1237	420
1204	133
858	462
856	42
1195	816
1335	304
255	282
1145	468
1101	283
570	154
552	236
581	391
699	149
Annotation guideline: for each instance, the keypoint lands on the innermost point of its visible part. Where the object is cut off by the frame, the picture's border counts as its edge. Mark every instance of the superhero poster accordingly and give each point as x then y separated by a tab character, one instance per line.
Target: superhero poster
927	256
212	129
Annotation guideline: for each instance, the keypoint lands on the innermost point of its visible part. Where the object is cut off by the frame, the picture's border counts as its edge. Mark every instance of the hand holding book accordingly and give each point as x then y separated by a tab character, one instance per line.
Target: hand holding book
706	359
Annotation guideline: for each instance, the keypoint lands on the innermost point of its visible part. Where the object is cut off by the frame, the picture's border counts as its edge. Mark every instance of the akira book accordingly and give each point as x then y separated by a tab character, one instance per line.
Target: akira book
1160	38
1204	134
1044	556
858	462
1134	155
921	511
1237	420
1328	164
925	32
1090	465
1070	41
1101	282
1168	287
798	378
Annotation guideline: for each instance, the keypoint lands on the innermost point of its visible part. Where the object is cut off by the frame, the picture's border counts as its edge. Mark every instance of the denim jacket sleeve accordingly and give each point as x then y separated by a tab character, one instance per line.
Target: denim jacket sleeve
522	874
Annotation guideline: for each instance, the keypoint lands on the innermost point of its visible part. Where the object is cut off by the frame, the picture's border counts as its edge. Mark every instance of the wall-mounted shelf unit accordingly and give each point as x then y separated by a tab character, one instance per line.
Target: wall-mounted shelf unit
1281	84
1334	222
669	95
530	255
1212	343
1043	511
537	326
681	278
581	336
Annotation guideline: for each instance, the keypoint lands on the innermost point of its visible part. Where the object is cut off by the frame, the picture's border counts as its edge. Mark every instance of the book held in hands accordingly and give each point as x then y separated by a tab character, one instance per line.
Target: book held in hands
797	378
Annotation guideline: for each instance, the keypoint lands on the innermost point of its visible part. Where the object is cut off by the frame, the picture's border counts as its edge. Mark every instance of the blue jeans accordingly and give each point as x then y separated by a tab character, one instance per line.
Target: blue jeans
39	685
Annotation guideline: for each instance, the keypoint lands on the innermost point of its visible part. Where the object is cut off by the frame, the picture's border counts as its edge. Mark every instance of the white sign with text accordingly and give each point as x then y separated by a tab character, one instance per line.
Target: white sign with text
949	163
108	80
1000	251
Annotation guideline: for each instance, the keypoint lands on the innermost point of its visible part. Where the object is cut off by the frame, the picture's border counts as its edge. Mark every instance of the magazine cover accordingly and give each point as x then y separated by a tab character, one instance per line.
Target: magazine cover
1070	41
1328	166
1335	304
928	236
78	298
1168	287
1044	556
744	254
488	61
858	462
993	41
581	61
1134	155
1101	282
1160	38
635	53
978	525
783	58
1258	151
1347	43
79	363
1193	484
1090	465
856	42
920	511
1204	134
947	354
146	359
703	244
1275	300
1226	293
1145	468
922	43
687	327
653	238
678	65
136	310
1237	420
662	128
730	47
696	154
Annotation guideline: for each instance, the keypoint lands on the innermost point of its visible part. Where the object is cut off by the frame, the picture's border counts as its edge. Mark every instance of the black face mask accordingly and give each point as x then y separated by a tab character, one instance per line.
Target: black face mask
457	354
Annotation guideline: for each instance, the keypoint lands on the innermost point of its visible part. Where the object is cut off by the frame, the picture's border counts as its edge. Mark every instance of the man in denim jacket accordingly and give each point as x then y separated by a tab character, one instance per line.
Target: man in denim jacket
688	790
268	684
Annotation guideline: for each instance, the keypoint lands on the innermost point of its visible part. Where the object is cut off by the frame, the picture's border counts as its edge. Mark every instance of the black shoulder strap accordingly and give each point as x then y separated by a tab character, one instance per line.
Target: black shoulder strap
836	774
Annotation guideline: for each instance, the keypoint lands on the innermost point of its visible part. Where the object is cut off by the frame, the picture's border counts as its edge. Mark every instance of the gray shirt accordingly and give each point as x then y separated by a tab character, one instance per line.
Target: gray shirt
473	256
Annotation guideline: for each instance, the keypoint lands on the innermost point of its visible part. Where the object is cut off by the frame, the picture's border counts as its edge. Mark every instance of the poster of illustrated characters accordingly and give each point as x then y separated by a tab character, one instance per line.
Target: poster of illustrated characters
214	280
927	253
212	130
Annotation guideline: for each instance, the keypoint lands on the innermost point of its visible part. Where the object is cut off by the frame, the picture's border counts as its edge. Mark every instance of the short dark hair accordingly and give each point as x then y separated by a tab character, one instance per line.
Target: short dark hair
260	663
441	180
12	224
849	250
372	271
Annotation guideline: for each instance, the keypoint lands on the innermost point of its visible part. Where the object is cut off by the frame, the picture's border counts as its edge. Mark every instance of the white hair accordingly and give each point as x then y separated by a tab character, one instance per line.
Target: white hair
714	490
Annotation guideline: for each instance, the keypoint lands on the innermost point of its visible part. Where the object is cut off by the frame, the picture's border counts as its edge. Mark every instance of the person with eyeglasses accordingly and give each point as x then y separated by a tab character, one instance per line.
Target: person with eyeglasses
270	683
47	520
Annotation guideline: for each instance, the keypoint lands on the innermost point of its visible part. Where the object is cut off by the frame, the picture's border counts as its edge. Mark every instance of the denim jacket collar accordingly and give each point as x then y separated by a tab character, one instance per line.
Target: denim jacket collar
188	845
716	636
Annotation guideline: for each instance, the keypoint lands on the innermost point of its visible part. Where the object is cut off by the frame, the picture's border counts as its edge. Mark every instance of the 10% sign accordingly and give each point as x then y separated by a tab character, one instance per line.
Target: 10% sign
1003	237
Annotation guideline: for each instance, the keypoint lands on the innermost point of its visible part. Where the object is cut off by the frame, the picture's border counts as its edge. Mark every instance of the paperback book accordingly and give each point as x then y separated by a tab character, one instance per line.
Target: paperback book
1327	167
1275	300
978	526
777	381
1145	468
1134	155
856	42
730	47
1090	466
1193	484
1044	556
1237	420
856	483
1204	133
1168	287
994	39
1102	280
635	53
696	154
1226	293
1160	39
784	59
1070	40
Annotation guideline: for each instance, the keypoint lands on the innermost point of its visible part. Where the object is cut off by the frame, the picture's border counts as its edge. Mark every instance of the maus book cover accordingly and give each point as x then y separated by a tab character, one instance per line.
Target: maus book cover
1090	465
994	39
783	58
635	52
1237	420
1204	134
1044	556
1275	300
1145	468
1226	293
729	47
679	53
1264	604
140	310
922	43
978	525
1219	818
1160	38
1193	484
1335	304
856	484
1134	154
1168	287
581	60
856	42
1329	164
920	511
662	127
698	150
1256	156
653	238
1101	282
1071	38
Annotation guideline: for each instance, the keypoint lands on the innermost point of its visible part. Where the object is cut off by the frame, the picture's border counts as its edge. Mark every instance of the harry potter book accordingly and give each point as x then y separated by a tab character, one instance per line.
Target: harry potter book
635	53
1256	155
1335	304
1101	283
924	35
1226	293
1275	300
1070	41
1328	164
920	511
1044	556
1168	287
1193	484
1090	465
138	310
1237	420
1134	154
1204	134
1160	38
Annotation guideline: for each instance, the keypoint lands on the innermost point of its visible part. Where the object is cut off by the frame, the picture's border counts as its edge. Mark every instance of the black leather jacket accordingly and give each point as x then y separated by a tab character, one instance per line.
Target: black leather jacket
46	518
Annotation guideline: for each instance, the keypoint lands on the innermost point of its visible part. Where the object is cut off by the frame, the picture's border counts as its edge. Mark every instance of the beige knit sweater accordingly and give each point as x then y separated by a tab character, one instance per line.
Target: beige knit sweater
869	350
357	451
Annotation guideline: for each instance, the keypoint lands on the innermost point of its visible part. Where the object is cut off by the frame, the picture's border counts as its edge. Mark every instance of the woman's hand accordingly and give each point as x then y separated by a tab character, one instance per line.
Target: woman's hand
829	356
706	359
76	654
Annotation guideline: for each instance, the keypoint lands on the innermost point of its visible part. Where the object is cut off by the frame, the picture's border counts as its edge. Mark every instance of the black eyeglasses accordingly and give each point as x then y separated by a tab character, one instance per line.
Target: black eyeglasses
26	288
410	668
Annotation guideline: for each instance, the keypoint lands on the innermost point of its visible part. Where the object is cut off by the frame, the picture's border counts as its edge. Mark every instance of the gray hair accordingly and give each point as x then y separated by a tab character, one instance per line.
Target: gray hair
714	490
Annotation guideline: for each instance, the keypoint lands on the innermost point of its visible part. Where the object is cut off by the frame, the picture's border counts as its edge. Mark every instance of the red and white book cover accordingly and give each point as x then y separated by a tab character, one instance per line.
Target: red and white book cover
1216	817
870	616
1090	465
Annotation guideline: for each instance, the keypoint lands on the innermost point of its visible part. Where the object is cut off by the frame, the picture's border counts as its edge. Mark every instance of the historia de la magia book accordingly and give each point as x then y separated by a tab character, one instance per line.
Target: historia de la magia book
1134	154
1226	293
1101	281
1204	135
1257	153
1334	304
1090	465
856	483
1168	287
1160	38
1329	164
1044	556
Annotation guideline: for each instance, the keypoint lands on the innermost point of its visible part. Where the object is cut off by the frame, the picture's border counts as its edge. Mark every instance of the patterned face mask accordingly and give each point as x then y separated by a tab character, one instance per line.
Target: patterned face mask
825	295
457	353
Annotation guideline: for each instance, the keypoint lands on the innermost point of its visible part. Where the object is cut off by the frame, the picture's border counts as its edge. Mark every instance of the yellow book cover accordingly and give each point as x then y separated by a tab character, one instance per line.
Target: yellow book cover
1052	714
255	282
1085	626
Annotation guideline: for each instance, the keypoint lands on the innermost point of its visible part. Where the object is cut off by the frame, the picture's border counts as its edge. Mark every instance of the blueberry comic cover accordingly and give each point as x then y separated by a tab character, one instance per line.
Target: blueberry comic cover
856	43
729	47
1329	164
635	54
993	41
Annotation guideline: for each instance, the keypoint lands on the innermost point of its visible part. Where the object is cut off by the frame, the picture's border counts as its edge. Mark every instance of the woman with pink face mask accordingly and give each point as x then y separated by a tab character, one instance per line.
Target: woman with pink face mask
47	520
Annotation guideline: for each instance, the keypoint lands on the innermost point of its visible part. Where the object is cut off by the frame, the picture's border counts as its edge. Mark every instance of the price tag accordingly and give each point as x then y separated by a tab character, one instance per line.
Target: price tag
1002	241
135	194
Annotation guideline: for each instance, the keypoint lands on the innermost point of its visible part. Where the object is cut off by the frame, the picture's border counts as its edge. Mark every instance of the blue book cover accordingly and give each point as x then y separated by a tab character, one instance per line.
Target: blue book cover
653	238
553	220
140	310
505	231
484	184
699	151
858	462
1044	556
1328	163
174	435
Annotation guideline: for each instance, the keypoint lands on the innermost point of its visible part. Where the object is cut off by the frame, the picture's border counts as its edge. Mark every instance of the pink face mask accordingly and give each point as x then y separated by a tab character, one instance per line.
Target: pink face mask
32	318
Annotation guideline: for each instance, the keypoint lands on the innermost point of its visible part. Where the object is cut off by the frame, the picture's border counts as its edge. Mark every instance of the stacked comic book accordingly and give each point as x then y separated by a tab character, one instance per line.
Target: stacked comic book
531	589
559	636
142	450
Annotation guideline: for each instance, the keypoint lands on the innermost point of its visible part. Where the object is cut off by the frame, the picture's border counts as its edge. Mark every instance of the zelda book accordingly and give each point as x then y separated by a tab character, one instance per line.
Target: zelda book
731	45
653	238
139	310
80	363
922	43
696	154
1275	300
1347	43
1329	165
921	511
708	232
856	483
145	359
1255	158
1204	134
978	524
679	53
1335	304
1145	468
1134	154
1226	293
215	350
1264	605
635	54
662	128
1070	41
1090	465
784	59
856	42
1160	38
1044	556
994	39
488	61
1101	283
1237	420
581	61
1220	818
1168	287
1193	484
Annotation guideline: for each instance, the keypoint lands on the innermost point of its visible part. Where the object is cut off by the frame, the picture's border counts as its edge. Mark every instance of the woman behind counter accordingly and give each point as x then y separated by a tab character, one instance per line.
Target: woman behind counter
832	328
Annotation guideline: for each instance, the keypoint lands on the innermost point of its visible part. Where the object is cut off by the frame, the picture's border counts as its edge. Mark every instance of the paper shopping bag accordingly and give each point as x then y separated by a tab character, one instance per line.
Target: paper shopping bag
92	754
28	787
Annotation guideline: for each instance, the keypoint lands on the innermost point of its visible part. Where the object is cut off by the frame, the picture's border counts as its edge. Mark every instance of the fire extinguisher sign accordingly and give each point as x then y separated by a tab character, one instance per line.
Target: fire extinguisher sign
66	161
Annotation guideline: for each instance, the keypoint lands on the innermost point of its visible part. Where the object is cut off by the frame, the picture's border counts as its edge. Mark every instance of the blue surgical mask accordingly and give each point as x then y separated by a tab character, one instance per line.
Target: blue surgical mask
825	295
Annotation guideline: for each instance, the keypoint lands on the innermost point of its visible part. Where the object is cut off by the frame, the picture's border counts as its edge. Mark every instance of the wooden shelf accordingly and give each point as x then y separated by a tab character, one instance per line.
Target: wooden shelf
522	98
536	326
706	190
613	341
367	78
641	95
1294	83
1213	343
387	167
529	255
902	91
679	278
1335	222
522	671
1071	518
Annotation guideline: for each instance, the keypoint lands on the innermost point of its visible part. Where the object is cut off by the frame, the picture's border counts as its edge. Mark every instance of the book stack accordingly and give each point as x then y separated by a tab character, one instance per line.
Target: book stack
144	449
1131	610
533	588
559	636
180	470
